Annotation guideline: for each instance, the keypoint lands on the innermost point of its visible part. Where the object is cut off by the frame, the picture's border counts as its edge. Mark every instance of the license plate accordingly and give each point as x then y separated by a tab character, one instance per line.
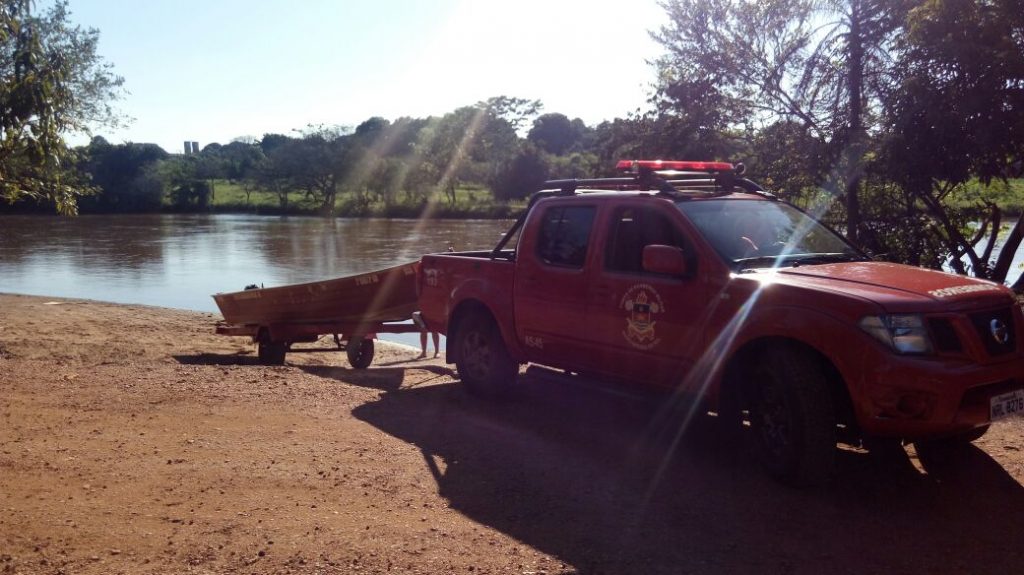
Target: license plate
1007	404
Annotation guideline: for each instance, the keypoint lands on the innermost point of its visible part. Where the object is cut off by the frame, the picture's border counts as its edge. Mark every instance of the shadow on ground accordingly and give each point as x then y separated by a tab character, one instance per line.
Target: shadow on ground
598	480
240	358
382	378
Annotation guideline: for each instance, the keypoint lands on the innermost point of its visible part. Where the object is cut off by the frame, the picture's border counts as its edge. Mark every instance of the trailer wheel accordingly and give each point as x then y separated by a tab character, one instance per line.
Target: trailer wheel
359	352
272	353
792	417
484	363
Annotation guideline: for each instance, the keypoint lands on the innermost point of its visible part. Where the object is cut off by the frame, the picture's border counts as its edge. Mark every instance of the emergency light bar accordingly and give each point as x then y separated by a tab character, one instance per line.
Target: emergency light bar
674	165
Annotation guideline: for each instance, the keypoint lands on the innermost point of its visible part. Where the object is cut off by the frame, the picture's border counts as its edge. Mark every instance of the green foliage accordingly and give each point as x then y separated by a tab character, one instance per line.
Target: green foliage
1007	194
554	134
524	174
819	64
52	82
126	176
957	116
959	112
891	105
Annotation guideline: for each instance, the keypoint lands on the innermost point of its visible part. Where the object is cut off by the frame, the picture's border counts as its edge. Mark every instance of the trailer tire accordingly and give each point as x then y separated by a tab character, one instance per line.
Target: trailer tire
272	353
792	417
483	363
360	352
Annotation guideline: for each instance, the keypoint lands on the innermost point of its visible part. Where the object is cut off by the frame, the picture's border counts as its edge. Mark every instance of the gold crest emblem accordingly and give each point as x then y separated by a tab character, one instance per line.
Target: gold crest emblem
642	304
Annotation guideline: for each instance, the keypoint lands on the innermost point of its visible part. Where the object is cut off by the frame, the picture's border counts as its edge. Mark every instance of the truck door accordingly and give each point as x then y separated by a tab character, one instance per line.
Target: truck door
551	282
645	326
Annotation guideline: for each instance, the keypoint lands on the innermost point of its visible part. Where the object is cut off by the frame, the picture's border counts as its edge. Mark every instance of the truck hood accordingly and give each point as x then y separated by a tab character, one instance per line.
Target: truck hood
897	288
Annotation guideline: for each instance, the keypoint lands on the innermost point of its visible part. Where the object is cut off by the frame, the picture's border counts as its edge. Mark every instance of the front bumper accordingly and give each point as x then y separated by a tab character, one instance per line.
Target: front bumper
923	398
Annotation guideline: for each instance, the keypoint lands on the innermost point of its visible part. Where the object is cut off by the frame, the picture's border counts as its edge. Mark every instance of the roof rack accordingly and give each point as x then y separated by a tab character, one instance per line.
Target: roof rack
678	179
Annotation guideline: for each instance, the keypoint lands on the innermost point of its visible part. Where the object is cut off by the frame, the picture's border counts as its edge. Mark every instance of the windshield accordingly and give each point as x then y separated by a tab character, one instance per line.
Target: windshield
758	233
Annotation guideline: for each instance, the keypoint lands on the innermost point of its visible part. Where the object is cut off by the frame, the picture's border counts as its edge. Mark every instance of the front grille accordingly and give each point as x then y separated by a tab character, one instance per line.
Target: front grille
980	396
991	324
944	335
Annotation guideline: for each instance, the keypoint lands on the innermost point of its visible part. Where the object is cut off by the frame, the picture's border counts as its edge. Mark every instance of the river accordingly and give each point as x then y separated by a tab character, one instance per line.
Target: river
178	261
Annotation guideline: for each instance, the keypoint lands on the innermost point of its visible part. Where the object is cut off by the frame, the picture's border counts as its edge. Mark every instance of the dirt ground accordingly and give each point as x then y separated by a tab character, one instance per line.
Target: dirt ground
134	440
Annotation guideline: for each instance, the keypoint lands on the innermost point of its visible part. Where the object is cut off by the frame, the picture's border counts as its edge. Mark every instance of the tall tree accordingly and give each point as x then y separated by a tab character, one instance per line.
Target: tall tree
822	63
125	175
52	83
472	143
958	115
555	133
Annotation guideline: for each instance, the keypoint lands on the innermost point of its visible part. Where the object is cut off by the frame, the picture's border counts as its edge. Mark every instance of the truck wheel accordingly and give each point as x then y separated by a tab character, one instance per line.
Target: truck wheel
272	353
484	364
792	417
942	456
359	352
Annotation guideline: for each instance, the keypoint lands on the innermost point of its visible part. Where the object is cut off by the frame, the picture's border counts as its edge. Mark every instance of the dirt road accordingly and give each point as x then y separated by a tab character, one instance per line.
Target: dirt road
132	440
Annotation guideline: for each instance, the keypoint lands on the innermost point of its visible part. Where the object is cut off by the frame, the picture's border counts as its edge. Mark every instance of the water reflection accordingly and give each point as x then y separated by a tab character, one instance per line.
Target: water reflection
179	260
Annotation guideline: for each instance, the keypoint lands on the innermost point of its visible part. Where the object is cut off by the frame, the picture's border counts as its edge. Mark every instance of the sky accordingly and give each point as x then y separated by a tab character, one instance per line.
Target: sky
214	70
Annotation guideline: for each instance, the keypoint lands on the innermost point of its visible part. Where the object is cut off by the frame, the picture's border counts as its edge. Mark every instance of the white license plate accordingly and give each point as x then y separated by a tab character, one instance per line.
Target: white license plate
1007	404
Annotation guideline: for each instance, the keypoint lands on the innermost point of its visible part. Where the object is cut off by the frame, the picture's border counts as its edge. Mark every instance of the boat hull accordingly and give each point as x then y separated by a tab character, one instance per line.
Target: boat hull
373	297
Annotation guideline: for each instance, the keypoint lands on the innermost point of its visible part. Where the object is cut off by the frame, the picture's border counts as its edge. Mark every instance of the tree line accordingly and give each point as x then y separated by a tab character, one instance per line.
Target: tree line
402	166
899	122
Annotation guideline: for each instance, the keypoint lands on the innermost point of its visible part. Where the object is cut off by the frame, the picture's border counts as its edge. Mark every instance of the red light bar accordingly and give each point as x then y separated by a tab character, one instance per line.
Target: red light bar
679	165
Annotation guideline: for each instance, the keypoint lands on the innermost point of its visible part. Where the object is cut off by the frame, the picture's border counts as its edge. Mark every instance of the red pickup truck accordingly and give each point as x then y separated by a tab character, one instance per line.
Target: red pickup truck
688	277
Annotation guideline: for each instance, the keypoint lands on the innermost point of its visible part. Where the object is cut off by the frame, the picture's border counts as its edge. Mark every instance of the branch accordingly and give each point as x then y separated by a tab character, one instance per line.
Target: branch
954	237
995	219
1002	267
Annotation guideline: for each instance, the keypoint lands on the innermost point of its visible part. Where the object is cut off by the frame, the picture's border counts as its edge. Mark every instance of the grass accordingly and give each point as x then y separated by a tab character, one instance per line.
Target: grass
470	202
1009	196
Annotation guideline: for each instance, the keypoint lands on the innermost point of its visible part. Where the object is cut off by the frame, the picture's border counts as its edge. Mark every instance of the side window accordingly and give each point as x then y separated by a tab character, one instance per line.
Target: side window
632	230
564	235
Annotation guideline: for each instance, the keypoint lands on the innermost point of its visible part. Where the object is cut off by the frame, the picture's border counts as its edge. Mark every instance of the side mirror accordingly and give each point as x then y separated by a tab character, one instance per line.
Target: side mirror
667	260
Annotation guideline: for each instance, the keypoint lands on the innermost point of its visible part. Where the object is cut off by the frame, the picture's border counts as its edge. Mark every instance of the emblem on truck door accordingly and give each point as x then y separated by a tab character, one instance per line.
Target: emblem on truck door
642	304
999	331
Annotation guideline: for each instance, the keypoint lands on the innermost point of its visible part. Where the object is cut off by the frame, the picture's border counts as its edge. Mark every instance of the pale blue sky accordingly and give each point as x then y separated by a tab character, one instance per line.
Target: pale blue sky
213	70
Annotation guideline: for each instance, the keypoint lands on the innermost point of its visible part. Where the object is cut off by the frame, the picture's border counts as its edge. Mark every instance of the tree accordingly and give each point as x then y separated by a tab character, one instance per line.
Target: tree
958	115
315	164
821	63
553	133
524	174
52	83
471	143
125	176
186	187
516	111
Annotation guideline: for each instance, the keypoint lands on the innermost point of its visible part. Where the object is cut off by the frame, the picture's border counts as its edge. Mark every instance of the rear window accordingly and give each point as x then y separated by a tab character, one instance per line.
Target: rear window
633	229
565	235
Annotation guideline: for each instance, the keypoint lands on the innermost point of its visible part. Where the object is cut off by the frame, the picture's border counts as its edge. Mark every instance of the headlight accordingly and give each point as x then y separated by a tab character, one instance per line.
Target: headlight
901	333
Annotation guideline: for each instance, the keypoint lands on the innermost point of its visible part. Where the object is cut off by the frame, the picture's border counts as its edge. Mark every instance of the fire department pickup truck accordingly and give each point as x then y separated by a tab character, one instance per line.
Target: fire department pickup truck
688	277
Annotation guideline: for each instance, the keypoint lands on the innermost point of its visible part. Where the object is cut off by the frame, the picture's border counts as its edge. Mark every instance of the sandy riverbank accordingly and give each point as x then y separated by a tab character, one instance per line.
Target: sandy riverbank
134	440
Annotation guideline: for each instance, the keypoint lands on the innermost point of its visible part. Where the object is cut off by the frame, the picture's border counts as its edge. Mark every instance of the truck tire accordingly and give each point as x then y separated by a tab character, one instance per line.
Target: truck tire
360	352
792	417
484	364
272	353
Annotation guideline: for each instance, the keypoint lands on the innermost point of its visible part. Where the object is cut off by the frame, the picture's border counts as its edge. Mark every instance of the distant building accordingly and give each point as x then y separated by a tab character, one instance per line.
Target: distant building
191	147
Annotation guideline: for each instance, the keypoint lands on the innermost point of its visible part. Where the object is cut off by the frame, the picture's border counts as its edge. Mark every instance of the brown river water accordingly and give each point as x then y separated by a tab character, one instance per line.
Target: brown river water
179	261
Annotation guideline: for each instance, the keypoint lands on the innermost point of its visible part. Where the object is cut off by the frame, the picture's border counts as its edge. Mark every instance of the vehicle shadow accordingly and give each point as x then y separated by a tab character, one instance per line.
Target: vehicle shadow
389	376
610	483
238	358
382	378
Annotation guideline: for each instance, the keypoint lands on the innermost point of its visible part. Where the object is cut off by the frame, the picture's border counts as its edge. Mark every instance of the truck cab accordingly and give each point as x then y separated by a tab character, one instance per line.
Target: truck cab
688	278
